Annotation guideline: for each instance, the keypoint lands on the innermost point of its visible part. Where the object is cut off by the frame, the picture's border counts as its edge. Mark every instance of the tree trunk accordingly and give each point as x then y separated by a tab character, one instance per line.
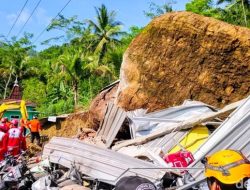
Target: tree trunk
244	12
90	89
103	51
75	89
6	86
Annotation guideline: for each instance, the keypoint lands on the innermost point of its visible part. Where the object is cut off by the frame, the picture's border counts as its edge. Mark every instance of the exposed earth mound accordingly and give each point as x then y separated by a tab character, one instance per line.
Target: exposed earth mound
100	102
71	125
181	56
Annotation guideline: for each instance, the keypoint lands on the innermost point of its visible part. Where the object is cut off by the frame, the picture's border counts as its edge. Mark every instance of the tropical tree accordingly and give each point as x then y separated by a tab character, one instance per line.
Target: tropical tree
157	10
236	12
106	30
244	5
203	7
14	57
71	69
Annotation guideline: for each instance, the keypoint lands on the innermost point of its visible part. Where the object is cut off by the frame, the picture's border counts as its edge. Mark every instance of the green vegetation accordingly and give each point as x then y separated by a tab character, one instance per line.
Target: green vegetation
236	12
157	10
62	78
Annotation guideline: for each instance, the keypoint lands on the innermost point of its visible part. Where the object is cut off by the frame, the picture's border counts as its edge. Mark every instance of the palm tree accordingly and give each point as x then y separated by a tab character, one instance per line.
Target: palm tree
245	4
106	30
15	61
71	69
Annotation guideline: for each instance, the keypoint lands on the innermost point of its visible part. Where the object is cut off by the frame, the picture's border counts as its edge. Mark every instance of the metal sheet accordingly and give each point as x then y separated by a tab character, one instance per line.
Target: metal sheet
167	142
103	164
111	124
188	123
234	134
143	123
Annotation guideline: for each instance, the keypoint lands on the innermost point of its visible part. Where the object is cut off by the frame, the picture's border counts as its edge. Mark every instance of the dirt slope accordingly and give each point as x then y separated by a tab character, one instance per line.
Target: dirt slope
71	125
181	56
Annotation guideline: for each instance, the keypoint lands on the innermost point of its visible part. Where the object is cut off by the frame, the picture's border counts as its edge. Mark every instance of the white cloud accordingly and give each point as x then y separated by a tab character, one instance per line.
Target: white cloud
21	20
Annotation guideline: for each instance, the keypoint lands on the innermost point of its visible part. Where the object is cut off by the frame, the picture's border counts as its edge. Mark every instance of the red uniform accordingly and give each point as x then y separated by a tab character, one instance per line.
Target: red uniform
8	124
5	127
16	141
3	144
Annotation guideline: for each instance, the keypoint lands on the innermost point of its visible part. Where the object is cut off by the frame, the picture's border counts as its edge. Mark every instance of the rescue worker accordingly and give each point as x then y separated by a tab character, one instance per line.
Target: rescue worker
227	170
6	122
3	141
23	125
16	140
35	127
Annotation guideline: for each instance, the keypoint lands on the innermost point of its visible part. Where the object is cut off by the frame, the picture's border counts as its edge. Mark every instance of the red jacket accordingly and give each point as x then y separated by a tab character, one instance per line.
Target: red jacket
6	127
16	141
8	124
3	144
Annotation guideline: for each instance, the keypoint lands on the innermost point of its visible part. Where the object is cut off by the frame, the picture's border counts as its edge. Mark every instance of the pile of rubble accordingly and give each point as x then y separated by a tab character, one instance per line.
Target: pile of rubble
193	128
151	126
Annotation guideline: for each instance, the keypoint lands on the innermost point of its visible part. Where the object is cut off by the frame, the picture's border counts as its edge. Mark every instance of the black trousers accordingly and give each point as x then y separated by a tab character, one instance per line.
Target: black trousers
35	135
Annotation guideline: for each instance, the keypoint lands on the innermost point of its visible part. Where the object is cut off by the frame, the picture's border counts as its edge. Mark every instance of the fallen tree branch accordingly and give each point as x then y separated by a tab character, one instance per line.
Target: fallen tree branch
177	127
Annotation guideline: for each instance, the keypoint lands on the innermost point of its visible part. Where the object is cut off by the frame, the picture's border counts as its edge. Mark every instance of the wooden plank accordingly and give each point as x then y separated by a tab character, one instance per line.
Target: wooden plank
176	127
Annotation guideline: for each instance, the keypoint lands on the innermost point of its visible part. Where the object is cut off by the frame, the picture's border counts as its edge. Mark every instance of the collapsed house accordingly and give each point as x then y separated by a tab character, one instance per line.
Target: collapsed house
170	99
142	155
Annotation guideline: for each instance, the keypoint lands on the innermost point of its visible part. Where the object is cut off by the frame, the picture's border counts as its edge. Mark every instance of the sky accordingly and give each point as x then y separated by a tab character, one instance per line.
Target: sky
129	12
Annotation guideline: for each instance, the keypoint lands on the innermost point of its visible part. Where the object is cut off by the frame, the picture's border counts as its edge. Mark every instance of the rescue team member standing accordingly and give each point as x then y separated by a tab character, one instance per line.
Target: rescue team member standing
3	141
35	127
6	122
227	170
23	125
16	140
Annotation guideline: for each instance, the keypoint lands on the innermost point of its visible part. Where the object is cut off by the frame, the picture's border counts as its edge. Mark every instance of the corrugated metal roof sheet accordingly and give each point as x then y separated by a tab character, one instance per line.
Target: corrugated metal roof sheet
102	164
111	124
234	133
143	123
167	142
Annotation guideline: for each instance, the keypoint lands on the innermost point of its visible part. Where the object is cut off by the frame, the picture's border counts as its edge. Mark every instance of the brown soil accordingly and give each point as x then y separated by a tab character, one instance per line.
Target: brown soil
181	56
68	127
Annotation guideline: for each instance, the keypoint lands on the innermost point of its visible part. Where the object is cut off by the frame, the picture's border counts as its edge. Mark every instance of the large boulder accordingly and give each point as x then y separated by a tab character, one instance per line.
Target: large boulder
182	55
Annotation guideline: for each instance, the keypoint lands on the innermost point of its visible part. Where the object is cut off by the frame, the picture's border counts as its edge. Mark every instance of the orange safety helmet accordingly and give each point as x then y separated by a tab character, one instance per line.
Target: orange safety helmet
227	166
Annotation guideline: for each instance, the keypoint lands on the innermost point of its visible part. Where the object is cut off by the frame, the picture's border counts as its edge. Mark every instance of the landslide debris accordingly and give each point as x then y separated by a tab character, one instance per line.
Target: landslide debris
182	55
75	124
